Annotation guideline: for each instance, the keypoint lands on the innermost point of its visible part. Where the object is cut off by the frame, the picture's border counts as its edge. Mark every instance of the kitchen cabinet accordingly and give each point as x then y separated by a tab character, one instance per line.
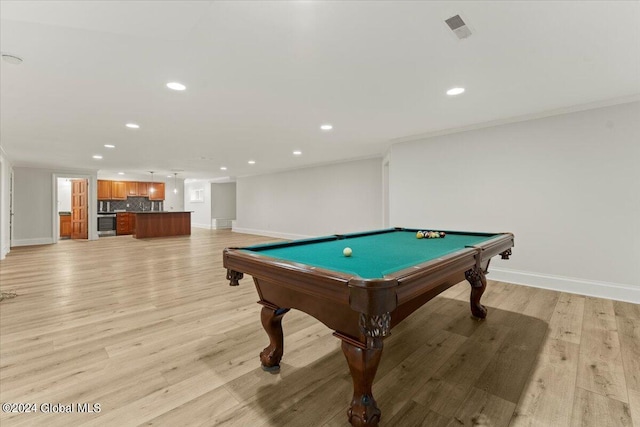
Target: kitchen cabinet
118	190
65	225
132	188
158	191
104	189
125	223
143	189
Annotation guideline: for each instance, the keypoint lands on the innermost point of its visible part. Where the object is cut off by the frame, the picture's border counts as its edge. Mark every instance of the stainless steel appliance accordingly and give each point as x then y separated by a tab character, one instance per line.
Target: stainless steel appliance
106	224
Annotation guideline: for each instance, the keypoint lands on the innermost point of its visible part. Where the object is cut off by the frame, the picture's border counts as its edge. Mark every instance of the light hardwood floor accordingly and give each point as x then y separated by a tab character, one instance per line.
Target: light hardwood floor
151	331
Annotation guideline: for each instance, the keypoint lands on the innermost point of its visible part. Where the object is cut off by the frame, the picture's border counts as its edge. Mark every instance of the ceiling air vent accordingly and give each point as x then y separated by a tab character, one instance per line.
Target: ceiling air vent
458	27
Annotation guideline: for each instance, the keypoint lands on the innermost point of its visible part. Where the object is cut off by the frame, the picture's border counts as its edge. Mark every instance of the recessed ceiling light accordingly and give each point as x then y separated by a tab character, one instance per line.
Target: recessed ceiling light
252	162
132	126
109	146
455	91
176	86
223	168
297	153
97	156
120	173
326	127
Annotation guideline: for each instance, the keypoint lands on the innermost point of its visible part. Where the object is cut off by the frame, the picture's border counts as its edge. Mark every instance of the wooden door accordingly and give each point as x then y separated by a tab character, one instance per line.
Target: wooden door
79	209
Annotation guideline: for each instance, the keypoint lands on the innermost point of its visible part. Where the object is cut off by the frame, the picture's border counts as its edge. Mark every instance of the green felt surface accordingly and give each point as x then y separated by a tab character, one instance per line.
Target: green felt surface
373	255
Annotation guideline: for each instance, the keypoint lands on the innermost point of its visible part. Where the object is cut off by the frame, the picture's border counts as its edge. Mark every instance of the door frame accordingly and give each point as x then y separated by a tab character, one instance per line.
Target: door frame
385	192
6	205
92	212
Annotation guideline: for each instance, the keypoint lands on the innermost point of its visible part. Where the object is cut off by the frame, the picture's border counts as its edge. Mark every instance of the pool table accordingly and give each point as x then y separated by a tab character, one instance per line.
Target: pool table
390	274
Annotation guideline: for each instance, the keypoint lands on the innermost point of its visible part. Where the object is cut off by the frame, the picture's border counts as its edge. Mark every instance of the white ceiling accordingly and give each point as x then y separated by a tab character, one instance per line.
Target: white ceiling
263	76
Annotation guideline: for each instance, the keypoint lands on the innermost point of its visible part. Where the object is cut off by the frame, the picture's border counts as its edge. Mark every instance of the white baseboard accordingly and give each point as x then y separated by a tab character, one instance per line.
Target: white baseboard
614	291
206	226
221	224
286	236
32	242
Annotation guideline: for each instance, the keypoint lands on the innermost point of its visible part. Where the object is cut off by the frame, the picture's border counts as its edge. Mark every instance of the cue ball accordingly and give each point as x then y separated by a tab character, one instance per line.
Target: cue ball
347	251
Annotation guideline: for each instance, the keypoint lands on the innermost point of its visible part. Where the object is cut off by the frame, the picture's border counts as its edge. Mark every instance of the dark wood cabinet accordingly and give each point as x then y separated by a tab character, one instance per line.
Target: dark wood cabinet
125	223
132	223
122	223
104	189
162	224
118	190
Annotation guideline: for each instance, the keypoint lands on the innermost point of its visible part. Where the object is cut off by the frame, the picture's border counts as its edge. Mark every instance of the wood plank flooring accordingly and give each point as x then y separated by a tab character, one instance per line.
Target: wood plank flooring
151	331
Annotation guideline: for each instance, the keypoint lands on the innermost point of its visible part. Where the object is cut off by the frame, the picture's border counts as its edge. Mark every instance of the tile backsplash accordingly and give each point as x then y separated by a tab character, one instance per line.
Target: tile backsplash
132	204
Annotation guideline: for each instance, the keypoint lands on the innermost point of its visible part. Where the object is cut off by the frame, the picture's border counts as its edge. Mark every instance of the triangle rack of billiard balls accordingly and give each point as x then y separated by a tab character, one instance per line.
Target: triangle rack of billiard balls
430	234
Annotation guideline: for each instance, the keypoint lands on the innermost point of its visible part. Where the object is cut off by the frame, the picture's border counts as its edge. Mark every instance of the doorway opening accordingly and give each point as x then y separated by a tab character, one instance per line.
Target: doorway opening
72	208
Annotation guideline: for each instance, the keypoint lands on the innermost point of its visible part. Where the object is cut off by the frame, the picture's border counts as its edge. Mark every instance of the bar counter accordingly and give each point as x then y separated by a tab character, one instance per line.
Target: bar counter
162	224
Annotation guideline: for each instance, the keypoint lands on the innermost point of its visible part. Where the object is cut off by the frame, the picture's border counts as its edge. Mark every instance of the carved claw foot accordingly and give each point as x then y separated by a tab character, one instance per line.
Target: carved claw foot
479	311
364	413
270	358
363	364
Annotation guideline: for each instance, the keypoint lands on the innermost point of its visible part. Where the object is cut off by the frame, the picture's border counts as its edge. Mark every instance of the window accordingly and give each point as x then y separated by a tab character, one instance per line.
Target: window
197	195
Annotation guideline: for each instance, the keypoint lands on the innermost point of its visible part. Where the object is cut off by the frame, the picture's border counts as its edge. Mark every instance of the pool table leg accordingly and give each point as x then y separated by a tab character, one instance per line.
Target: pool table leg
272	323
478	281
363	364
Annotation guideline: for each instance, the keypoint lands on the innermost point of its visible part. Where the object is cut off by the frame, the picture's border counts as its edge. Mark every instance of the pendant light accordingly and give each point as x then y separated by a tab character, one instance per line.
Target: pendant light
175	189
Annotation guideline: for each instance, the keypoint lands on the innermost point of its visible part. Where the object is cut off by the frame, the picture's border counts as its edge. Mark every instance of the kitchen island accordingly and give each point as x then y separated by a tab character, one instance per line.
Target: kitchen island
162	224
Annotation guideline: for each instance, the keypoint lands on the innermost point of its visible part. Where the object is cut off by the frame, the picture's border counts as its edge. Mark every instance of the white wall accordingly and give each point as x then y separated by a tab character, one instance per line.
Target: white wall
340	198
34	204
223	200
568	186
32	198
64	195
173	201
5	203
201	216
